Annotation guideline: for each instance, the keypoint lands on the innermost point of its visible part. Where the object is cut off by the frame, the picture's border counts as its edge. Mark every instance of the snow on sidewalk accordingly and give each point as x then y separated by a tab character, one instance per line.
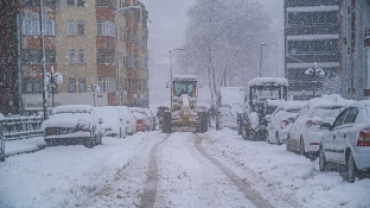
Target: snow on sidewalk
19	146
283	177
63	176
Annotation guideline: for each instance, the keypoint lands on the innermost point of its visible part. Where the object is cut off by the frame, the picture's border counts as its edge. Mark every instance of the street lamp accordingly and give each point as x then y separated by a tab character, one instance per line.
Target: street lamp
262	44
118	64
314	72
176	49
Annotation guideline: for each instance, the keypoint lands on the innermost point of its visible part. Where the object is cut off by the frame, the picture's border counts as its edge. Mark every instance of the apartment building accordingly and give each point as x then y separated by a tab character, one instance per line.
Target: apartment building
354	48
311	35
95	50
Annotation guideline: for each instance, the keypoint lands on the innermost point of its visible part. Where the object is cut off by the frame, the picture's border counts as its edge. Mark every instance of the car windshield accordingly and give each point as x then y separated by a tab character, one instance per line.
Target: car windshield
293	110
263	93
184	87
324	112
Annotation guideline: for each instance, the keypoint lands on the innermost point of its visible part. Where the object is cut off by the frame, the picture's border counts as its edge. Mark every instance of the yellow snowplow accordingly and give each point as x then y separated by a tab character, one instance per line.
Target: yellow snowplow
185	114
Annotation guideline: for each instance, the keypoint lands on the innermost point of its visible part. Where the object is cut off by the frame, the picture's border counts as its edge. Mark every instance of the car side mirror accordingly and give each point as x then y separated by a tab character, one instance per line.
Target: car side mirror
100	121
325	126
168	84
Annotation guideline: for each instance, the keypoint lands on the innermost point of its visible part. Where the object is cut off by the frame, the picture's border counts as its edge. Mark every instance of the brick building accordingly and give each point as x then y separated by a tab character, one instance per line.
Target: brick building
87	44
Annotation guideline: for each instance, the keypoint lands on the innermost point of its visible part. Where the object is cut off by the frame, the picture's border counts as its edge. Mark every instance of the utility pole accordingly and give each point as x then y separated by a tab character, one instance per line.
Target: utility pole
314	80
262	44
43	58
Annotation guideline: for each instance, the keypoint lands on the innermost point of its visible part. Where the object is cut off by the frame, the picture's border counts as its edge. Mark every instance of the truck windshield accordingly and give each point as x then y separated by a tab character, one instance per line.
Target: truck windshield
264	93
184	87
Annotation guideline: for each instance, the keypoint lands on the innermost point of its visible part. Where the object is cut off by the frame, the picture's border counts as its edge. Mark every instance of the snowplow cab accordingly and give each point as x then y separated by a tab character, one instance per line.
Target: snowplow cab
265	94
184	114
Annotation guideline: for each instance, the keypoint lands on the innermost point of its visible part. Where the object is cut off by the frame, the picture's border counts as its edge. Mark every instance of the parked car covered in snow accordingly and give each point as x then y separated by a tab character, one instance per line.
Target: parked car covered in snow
280	122
2	140
145	121
305	134
113	125
347	144
126	116
73	124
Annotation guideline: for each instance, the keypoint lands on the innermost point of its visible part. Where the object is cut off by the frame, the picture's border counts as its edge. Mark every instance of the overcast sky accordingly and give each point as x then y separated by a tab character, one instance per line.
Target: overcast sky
167	26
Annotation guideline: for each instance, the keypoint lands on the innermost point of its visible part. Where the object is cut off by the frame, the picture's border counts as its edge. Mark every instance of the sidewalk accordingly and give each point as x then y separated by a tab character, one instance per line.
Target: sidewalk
15	147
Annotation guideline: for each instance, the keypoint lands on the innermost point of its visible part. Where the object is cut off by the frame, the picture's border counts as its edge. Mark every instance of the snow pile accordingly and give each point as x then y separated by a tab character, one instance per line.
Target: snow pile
72	176
67	120
254	119
72	109
285	178
14	147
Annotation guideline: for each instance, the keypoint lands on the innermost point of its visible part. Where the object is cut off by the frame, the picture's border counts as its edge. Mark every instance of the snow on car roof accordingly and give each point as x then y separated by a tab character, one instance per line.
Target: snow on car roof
72	109
268	81
184	78
325	102
292	104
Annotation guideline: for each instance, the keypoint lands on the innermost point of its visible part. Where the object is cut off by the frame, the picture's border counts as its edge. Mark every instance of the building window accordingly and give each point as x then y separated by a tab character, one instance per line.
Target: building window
71	27
28	3
32	85
107	84
72	85
50	56
28	85
105	28
80	3
80	27
130	61
72	56
71	2
49	27
82	85
81	56
31	27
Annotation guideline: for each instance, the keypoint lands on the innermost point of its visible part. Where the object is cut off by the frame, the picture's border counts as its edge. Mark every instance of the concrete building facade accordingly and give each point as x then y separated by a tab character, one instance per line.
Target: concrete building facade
311	35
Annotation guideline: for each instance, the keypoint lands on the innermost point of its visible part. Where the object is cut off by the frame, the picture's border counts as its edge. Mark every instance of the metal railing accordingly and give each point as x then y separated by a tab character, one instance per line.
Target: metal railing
21	127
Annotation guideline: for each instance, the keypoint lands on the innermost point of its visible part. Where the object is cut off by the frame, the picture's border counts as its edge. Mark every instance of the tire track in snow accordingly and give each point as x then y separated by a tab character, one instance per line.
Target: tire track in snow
150	192
252	195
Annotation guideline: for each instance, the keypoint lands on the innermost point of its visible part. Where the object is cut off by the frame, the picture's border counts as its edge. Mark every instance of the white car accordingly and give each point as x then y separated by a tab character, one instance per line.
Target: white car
113	125
280	122
305	134
126	116
73	124
347	143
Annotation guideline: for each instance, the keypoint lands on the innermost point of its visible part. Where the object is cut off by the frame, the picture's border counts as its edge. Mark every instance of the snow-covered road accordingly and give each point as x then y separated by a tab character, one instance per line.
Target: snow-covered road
214	169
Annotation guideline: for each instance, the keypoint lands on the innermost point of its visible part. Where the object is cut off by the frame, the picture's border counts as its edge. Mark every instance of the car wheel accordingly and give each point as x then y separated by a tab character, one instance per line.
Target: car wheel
322	161
301	147
351	169
288	143
277	139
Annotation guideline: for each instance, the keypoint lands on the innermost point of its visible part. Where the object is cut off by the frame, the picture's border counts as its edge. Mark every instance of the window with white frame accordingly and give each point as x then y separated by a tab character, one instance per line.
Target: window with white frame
80	27
72	56
49	27
82	85
31	27
72	85
81	56
105	28
107	84
71	27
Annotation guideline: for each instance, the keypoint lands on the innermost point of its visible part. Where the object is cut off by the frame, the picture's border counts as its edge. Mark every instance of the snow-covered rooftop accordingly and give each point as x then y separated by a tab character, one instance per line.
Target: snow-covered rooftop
185	78
268	81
